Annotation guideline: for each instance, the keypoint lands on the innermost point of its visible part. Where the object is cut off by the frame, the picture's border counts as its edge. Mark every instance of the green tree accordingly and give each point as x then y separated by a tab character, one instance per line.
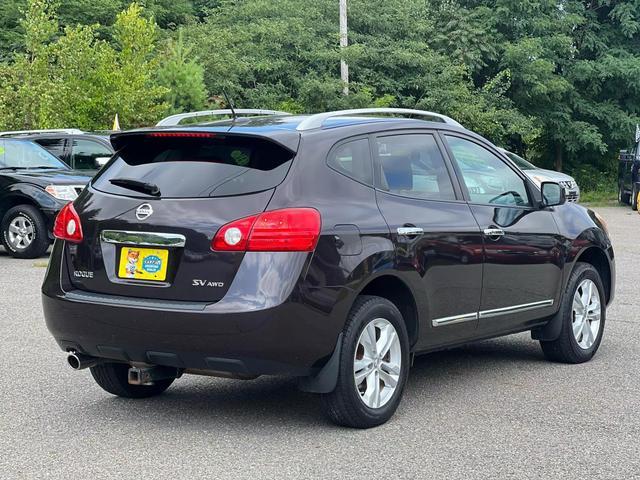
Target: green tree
183	77
276	54
79	80
169	14
573	66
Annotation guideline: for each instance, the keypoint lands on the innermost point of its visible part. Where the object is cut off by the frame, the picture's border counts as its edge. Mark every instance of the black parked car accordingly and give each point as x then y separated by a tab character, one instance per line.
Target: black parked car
629	177
34	186
332	247
78	149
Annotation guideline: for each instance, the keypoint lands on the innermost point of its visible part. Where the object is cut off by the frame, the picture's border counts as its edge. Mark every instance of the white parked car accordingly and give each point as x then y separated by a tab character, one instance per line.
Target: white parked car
539	175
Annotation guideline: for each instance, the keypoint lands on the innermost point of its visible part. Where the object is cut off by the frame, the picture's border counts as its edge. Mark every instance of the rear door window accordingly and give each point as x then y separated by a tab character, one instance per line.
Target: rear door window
412	165
187	167
85	154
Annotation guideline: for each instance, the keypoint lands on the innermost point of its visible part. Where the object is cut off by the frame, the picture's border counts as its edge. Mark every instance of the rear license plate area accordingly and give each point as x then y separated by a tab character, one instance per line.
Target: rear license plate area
148	264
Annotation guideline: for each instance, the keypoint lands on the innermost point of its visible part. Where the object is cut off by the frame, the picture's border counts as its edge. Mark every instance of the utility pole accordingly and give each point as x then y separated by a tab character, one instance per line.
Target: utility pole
344	68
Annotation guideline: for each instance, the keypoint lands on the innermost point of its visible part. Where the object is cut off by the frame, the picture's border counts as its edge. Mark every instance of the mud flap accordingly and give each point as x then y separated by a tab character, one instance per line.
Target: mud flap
325	380
551	330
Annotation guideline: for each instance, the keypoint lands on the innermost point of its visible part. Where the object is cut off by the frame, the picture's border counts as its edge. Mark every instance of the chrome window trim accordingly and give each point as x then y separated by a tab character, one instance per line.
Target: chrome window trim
496	312
152	239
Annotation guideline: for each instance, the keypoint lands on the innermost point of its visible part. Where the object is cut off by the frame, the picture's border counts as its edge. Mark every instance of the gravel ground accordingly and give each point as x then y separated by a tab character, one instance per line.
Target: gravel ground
495	409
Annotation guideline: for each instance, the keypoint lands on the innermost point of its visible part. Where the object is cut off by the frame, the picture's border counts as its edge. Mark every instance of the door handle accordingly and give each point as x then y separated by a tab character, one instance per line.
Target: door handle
409	231
494	232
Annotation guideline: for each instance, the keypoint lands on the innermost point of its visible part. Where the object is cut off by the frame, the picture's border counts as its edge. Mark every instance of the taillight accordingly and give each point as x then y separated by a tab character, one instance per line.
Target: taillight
67	225
286	230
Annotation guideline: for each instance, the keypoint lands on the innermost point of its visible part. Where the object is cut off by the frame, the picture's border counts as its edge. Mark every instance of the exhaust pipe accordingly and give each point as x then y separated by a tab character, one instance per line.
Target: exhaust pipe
79	361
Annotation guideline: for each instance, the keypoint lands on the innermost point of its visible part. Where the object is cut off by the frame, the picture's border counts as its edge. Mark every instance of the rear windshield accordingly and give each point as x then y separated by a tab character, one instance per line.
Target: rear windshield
187	167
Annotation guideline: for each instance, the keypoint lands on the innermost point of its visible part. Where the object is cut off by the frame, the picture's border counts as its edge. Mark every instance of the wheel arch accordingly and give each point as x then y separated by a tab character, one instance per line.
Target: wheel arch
398	292
596	257
13	200
386	285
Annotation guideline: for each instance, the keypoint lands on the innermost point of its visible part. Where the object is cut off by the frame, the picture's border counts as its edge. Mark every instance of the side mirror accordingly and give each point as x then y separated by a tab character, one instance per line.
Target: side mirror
102	161
552	194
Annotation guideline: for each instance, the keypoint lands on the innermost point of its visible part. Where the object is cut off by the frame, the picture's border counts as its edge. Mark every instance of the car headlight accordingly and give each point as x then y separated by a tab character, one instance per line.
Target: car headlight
62	192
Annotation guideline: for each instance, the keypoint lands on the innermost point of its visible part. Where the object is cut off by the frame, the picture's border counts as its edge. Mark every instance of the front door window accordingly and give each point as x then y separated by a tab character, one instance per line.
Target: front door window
488	179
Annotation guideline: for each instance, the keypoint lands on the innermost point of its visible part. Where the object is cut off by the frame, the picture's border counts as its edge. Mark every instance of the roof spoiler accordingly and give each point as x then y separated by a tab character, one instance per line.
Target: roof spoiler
289	139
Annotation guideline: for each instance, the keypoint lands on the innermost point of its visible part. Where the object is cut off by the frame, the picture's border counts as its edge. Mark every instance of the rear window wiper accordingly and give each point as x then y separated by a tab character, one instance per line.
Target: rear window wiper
13	168
43	167
143	187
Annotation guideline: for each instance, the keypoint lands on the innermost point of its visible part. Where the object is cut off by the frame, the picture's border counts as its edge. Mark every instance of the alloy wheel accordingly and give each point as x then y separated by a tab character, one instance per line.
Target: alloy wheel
377	363
586	314
20	233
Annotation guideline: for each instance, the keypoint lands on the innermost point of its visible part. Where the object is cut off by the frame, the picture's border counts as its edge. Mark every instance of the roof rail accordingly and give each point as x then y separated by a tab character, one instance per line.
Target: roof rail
174	120
70	131
317	120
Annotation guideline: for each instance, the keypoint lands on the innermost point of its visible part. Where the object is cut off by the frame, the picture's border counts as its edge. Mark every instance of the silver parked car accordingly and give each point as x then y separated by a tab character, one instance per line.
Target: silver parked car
539	175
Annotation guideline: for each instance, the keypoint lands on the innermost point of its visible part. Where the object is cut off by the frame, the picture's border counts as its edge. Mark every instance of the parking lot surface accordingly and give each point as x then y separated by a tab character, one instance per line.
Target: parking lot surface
494	409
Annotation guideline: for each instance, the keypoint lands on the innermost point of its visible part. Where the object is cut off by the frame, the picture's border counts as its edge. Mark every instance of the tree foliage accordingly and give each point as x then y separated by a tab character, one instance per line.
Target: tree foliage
72	78
183	77
556	80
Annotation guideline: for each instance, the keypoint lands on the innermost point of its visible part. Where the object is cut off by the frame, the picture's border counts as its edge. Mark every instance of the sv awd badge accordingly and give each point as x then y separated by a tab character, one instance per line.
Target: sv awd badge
206	283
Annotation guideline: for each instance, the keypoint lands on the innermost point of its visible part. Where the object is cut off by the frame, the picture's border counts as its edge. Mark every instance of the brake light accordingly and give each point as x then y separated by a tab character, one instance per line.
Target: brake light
286	230
181	134
67	225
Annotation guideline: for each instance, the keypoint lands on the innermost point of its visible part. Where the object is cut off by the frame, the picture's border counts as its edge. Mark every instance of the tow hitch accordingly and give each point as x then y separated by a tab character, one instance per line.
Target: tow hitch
150	375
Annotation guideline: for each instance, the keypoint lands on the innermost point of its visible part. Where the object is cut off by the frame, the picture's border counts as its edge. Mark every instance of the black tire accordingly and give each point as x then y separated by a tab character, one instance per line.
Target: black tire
343	405
565	348
113	378
40	242
634	197
623	198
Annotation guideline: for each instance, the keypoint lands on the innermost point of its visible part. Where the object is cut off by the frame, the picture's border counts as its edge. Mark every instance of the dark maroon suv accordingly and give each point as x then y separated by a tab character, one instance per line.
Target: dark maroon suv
330	247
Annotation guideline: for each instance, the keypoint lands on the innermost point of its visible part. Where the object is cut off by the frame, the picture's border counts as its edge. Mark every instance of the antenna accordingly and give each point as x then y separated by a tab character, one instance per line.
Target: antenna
230	103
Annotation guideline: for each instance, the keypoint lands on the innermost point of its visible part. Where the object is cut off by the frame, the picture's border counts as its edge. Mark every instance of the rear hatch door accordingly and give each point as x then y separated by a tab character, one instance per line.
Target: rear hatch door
149	216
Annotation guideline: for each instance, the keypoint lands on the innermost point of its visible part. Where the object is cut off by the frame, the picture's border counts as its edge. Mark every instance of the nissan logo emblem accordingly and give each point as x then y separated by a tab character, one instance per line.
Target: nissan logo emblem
144	211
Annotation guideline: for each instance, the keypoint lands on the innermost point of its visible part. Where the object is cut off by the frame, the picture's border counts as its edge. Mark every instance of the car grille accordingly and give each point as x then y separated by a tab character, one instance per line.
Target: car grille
568	184
572	196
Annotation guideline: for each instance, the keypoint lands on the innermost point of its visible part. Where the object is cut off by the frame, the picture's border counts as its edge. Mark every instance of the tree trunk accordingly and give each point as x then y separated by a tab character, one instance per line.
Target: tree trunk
558	160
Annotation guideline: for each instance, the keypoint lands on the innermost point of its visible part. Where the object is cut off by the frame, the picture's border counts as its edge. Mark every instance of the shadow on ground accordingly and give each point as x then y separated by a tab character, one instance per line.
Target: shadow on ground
203	402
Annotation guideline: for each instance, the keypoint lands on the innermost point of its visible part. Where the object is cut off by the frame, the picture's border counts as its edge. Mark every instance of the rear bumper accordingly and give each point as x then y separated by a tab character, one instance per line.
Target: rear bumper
296	336
274	344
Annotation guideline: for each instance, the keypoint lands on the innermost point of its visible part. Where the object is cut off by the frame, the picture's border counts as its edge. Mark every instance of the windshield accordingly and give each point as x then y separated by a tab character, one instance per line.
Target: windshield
520	162
23	154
